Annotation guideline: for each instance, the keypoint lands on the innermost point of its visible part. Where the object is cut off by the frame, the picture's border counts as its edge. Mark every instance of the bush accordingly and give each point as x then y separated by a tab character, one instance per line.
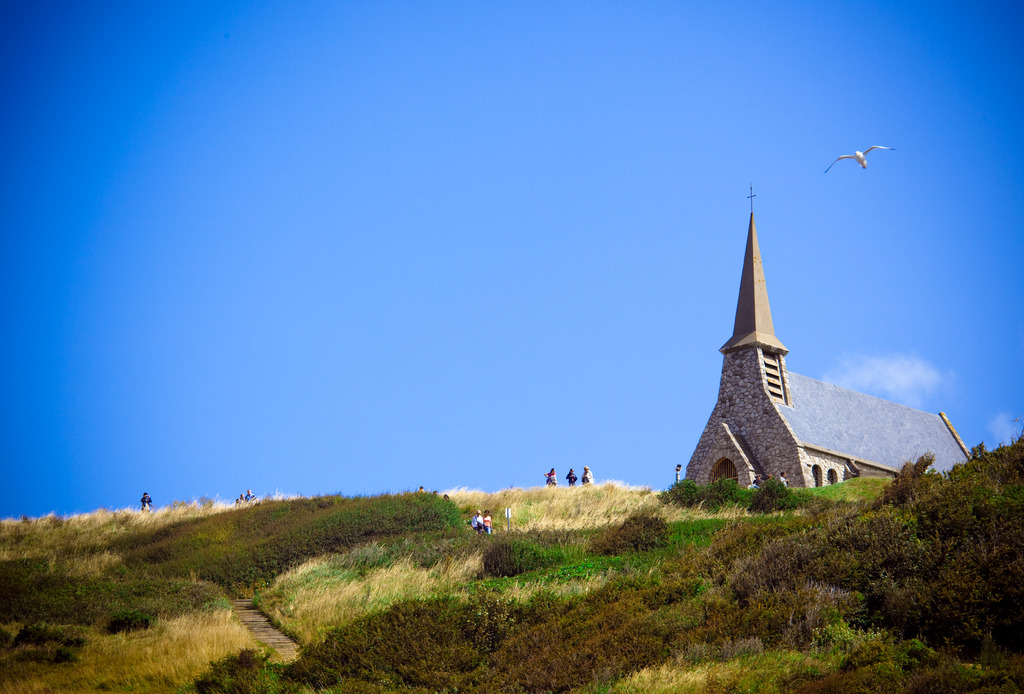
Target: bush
772	496
65	655
640	532
683	493
512	557
244	673
39	635
908	483
129	620
712	497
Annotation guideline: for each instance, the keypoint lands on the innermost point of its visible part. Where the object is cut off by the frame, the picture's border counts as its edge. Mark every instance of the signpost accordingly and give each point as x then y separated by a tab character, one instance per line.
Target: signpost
508	518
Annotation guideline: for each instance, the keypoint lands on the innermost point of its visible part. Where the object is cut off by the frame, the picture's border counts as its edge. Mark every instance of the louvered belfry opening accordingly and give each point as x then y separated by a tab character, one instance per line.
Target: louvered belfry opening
724	470
773	377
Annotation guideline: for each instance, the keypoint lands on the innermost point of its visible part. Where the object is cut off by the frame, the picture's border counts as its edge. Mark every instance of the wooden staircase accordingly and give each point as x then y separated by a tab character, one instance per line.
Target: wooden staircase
264	632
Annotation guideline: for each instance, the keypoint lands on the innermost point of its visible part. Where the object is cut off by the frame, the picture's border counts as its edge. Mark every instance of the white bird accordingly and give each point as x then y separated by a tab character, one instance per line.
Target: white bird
859	156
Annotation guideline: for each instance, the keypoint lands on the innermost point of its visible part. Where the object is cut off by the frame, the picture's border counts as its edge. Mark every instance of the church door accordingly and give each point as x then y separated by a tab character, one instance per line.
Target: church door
724	470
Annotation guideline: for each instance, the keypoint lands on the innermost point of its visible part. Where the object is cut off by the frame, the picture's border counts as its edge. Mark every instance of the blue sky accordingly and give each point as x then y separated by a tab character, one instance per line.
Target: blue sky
357	247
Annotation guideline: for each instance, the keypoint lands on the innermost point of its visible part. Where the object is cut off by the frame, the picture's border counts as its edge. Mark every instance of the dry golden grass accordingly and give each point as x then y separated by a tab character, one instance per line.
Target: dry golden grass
160	659
769	673
59	538
322	593
562	507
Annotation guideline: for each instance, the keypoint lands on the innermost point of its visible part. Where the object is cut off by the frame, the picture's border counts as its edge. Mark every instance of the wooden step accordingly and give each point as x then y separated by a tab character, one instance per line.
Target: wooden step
264	631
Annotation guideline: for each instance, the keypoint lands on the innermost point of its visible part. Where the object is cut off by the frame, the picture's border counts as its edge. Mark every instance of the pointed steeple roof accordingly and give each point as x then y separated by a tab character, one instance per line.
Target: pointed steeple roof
753	316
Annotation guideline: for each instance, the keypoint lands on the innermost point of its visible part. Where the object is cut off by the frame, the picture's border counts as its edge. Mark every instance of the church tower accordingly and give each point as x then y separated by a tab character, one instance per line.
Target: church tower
746	436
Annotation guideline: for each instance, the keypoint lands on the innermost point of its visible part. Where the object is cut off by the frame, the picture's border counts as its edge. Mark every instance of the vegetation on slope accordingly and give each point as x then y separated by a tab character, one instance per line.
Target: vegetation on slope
843	595
867	586
118	585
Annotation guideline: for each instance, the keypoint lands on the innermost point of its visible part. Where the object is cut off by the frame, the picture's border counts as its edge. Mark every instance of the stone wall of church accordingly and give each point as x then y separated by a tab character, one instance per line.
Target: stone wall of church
825	461
744	404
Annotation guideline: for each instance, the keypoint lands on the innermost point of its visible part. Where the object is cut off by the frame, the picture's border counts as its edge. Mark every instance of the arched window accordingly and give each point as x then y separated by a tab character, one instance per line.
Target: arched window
724	470
833	477
817	475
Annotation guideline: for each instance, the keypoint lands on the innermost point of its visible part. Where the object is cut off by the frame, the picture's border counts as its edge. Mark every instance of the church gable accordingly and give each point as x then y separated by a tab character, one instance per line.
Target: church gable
727	447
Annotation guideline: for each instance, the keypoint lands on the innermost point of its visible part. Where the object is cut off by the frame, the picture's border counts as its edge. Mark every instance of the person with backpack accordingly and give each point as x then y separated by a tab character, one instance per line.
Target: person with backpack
571	478
552	478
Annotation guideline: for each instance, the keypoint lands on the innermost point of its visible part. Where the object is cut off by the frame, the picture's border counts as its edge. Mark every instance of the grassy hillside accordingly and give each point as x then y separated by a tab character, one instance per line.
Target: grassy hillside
870	586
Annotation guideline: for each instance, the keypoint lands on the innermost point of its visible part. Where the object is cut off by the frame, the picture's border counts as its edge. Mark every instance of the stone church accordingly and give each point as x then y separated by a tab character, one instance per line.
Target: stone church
770	421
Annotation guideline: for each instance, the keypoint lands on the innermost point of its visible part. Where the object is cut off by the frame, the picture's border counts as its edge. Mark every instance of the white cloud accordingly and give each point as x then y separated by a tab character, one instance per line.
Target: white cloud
1004	429
906	379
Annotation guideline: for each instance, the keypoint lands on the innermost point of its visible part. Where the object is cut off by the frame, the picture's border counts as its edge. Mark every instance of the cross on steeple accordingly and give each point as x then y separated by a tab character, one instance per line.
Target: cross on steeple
751	196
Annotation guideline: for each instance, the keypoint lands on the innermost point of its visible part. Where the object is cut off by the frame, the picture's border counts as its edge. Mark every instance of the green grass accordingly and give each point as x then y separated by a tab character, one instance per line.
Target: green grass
853	490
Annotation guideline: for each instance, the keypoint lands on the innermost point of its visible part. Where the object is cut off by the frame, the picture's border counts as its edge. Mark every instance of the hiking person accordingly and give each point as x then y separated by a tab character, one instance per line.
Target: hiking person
477	523
249	496
588	477
147	502
571	478
487	522
552	478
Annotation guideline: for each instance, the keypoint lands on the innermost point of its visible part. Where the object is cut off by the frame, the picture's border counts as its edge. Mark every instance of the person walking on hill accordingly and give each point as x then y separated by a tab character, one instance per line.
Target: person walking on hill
552	478
477	523
588	477
487	522
147	502
571	478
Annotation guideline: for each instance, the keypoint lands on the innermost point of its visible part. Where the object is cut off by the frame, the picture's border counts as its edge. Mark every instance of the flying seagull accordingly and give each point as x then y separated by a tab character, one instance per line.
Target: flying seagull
859	156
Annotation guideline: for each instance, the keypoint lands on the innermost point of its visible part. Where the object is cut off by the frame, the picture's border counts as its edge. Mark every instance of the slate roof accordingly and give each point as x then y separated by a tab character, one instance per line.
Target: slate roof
866	427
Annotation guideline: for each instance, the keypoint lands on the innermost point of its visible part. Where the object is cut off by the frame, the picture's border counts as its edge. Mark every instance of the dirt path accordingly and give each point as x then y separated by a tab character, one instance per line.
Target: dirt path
264	631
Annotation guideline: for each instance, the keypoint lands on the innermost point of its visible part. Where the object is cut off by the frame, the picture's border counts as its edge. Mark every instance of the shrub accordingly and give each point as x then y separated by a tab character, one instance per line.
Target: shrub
718	494
6	638
39	635
711	497
908	483
772	496
640	532
512	557
244	673
129	620
682	493
65	655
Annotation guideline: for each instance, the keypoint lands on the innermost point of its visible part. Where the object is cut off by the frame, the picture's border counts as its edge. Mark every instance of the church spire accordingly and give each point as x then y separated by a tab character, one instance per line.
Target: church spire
753	316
